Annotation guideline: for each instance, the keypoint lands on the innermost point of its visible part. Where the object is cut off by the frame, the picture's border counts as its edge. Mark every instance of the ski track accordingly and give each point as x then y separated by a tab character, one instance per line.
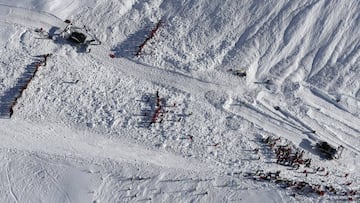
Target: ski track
272	119
284	116
57	185
323	130
347	119
18	15
117	150
328	119
279	128
10	184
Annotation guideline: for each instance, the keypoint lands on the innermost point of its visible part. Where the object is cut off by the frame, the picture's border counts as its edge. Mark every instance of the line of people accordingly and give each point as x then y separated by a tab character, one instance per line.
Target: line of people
151	35
289	155
301	187
24	87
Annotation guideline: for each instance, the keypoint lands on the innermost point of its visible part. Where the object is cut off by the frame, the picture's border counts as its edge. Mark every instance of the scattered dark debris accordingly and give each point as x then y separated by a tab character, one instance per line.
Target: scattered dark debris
236	72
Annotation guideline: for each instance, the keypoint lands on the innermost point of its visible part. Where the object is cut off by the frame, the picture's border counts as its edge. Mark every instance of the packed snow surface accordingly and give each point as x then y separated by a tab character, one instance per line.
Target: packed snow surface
187	119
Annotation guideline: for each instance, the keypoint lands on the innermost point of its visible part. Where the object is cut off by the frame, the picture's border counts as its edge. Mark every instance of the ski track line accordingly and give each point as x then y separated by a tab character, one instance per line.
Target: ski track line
327	129
65	142
9	184
165	77
282	116
269	125
269	117
31	11
57	185
101	187
341	134
26	17
311	101
317	113
331	111
43	160
333	137
67	6
327	98
294	118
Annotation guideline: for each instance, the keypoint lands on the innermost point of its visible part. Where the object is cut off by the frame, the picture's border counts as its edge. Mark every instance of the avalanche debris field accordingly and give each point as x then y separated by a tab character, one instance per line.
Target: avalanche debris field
179	101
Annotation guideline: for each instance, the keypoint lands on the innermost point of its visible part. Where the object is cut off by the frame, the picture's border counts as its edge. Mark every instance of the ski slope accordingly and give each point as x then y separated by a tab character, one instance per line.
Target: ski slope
83	130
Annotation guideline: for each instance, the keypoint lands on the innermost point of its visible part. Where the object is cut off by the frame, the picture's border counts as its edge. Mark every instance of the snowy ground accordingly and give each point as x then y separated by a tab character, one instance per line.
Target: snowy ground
81	131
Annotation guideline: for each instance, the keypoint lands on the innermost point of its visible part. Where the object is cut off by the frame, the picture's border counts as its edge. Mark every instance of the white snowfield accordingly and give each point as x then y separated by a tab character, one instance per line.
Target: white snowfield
176	124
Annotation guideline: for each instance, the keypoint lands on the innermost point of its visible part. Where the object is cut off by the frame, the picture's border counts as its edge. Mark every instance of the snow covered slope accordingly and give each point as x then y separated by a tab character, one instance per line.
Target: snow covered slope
176	124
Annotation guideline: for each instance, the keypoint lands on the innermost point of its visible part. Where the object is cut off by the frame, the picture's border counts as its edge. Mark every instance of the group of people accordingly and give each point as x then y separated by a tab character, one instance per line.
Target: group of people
240	73
286	155
290	156
301	187
261	175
